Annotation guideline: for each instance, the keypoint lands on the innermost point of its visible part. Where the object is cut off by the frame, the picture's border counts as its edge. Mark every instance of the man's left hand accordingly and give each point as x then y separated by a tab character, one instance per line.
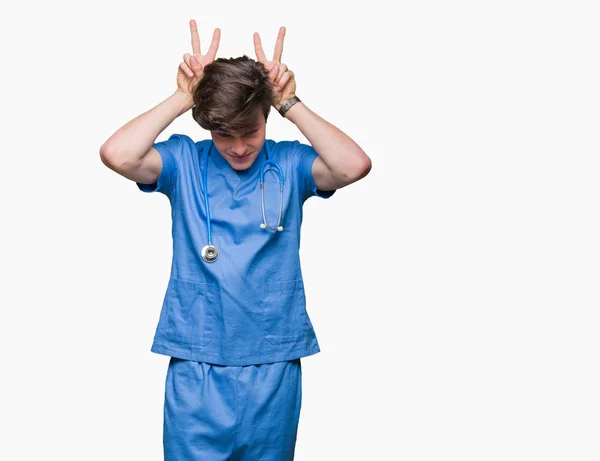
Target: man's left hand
282	78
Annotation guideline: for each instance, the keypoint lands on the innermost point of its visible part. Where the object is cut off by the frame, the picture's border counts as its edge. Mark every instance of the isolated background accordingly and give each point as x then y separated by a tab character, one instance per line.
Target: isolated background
454	290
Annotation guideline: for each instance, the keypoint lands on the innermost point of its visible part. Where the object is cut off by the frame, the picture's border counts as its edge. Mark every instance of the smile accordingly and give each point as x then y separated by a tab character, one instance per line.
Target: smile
240	159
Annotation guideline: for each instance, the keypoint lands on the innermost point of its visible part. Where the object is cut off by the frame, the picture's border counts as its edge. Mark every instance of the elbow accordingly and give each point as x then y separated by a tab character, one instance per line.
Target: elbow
361	169
366	166
107	156
357	170
111	158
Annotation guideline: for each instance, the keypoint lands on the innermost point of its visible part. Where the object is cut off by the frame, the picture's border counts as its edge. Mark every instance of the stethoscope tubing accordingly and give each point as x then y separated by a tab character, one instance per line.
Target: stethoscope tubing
209	252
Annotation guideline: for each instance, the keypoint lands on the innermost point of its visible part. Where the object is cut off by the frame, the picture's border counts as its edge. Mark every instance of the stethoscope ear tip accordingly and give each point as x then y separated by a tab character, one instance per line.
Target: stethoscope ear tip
280	228
262	226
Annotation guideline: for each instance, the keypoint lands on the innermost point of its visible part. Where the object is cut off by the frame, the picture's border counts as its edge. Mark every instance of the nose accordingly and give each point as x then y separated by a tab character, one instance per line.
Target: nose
238	147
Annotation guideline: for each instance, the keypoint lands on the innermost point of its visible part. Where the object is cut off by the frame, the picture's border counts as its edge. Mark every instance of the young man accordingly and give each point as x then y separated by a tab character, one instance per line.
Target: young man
234	318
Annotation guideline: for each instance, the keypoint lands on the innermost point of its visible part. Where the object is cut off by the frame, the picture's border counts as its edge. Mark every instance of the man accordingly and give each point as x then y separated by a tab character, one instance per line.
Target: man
234	318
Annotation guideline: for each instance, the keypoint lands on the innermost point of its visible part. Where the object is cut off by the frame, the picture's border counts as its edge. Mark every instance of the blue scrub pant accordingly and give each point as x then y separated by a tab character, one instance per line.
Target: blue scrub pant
225	413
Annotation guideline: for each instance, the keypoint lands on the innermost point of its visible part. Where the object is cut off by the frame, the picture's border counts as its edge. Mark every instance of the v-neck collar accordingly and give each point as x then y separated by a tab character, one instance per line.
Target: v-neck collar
233	175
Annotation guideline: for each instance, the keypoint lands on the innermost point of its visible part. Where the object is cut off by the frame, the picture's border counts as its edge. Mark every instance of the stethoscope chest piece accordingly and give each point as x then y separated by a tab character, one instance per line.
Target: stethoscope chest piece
210	253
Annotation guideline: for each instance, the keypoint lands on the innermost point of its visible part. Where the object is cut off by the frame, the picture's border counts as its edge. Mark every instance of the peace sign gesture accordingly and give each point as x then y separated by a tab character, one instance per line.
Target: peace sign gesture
282	79
191	70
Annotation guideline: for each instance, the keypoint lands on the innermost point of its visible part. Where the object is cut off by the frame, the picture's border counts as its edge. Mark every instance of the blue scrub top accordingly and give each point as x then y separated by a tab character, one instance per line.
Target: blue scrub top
249	306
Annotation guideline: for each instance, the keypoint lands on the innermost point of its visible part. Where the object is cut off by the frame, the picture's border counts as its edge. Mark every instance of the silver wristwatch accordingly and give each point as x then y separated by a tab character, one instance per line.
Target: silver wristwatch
287	104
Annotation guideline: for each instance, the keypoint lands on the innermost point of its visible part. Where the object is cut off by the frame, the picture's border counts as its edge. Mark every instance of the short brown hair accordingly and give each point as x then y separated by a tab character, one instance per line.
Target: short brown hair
231	93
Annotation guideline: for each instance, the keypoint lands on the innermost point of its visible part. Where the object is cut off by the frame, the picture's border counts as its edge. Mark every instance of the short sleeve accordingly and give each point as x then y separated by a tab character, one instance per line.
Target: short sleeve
170	152
306	156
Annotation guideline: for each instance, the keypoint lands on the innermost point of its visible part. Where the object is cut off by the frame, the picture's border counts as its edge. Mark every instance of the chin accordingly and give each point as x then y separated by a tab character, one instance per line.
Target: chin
241	166
237	167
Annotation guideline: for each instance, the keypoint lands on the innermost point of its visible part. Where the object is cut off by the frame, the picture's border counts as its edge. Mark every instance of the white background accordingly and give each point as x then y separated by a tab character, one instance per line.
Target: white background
454	290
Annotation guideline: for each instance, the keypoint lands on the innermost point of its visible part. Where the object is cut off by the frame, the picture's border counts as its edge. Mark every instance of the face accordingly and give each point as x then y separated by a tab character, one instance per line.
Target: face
241	149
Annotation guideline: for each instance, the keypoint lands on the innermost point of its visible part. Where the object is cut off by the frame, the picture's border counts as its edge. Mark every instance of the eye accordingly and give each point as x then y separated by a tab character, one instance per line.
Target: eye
252	133
224	135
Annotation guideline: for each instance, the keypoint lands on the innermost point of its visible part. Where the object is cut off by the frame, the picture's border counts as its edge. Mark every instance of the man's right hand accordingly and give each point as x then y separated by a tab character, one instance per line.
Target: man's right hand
191	70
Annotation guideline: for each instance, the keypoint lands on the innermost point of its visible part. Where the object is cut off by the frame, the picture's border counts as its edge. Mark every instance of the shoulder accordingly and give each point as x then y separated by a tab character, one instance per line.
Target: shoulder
285	145
178	138
176	145
289	150
181	146
202	147
203	144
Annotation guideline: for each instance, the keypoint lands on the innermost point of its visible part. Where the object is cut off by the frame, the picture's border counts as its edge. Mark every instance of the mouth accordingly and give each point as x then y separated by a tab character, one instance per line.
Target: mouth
242	159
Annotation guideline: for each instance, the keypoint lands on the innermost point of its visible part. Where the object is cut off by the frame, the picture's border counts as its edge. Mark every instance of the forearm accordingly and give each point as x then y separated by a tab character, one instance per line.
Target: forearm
134	139
343	157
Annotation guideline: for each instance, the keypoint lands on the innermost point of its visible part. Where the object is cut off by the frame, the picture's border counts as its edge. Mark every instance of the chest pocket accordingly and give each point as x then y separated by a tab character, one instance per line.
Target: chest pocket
190	318
284	312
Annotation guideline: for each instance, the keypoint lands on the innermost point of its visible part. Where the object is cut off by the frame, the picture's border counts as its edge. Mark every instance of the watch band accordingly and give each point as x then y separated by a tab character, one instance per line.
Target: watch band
287	104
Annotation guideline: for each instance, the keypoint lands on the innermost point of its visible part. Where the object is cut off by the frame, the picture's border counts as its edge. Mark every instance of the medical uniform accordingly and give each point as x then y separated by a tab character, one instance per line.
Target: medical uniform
235	329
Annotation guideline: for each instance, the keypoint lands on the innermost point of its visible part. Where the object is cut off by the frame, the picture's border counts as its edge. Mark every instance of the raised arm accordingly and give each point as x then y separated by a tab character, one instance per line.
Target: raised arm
129	150
341	161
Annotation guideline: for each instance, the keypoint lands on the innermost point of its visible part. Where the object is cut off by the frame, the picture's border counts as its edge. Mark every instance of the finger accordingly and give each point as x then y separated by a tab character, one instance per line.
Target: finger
258	49
282	70
284	81
214	45
186	59
273	73
279	45
196	66
184	67
195	38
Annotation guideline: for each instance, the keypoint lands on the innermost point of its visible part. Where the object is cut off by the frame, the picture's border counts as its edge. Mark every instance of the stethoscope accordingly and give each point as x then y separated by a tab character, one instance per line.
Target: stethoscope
209	252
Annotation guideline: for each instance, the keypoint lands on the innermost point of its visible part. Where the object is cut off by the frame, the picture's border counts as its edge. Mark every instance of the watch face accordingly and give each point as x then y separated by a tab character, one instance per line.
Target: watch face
287	104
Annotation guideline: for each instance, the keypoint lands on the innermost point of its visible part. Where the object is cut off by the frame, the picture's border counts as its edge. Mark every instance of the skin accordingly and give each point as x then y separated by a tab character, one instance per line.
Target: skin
283	79
241	151
129	152
191	70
